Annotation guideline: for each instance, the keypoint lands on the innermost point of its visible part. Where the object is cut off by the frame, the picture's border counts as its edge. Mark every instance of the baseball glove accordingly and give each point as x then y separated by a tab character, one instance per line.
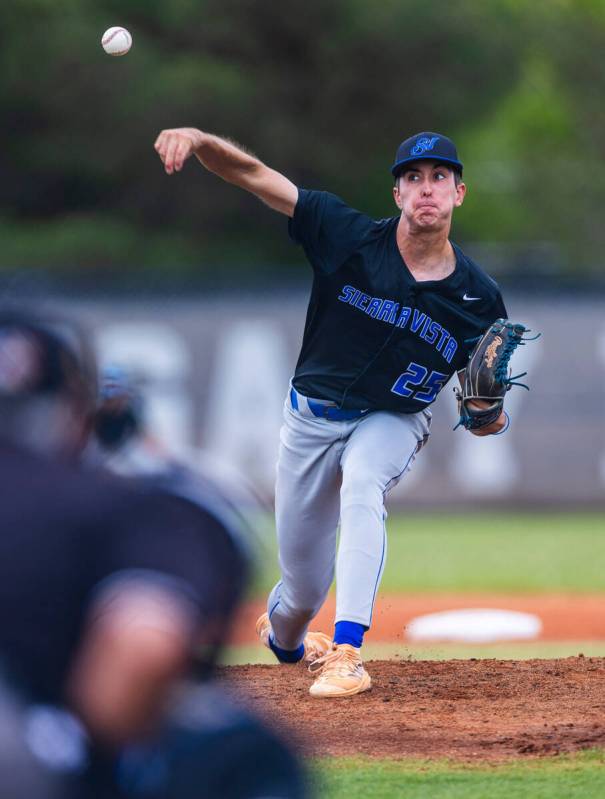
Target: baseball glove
487	378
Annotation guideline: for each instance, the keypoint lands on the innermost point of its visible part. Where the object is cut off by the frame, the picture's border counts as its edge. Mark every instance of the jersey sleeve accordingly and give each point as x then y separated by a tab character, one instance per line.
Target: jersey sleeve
328	230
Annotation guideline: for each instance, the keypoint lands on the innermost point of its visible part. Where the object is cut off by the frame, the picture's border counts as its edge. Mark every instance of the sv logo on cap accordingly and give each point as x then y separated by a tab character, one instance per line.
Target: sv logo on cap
424	145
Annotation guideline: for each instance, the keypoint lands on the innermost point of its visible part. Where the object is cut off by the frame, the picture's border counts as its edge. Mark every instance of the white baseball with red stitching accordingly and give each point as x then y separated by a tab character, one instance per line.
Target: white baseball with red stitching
116	41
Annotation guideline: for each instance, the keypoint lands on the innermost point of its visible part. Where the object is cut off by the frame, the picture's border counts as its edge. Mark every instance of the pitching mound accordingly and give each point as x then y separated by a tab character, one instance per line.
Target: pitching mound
471	710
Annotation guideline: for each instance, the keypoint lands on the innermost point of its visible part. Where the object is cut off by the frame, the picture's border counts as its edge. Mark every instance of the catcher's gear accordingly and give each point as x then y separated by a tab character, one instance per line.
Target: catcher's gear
487	378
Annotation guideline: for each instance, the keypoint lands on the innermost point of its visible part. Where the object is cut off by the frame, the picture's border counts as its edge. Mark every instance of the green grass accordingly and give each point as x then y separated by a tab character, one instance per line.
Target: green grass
513	553
580	776
239	655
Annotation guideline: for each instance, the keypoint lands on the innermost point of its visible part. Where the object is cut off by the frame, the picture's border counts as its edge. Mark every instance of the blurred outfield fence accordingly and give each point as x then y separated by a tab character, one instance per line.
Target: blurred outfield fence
215	371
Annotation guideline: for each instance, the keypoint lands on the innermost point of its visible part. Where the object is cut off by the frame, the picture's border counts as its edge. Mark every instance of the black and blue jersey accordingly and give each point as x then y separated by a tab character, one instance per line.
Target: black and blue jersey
374	336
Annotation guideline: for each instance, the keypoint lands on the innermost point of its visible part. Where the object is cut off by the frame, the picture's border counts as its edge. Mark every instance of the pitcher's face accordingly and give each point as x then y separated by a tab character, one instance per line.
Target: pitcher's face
426	193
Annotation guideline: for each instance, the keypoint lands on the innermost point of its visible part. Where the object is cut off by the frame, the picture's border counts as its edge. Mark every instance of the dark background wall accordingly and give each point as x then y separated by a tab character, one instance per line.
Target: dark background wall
215	370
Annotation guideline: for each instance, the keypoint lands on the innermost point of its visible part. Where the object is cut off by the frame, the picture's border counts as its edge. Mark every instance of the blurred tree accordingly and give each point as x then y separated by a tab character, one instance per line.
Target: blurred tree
537	177
323	90
570	167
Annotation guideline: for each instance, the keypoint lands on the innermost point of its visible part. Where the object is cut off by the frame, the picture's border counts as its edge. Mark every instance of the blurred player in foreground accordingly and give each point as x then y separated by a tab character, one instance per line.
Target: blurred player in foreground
393	308
124	444
106	591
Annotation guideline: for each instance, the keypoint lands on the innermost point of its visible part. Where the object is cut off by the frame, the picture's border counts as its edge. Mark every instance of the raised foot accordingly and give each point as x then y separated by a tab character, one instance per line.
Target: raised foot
316	644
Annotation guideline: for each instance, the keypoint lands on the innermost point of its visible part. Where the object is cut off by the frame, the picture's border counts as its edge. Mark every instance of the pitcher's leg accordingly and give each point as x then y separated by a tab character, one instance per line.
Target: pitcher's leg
376	456
306	514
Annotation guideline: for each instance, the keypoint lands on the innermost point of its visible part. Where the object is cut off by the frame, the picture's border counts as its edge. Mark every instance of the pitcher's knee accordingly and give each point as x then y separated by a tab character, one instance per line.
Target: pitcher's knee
301	551
361	489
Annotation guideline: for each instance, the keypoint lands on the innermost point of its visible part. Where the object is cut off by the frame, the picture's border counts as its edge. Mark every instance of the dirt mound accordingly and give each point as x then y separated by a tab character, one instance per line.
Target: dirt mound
465	709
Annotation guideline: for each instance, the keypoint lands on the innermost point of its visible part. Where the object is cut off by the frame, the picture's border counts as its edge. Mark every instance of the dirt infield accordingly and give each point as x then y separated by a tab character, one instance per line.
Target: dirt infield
465	709
564	617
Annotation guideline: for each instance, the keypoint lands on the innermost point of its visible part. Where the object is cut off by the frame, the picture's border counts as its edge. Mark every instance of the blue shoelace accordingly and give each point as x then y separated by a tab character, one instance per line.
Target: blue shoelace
516	340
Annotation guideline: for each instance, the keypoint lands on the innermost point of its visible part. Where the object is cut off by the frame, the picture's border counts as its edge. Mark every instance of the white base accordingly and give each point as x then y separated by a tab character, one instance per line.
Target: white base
474	625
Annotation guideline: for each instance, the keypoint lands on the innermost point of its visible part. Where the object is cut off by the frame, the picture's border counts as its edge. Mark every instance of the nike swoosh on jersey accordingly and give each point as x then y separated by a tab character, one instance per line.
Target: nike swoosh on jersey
469	299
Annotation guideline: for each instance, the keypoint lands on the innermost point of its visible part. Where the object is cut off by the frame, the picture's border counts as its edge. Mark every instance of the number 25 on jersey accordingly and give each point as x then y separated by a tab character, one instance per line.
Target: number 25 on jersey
415	383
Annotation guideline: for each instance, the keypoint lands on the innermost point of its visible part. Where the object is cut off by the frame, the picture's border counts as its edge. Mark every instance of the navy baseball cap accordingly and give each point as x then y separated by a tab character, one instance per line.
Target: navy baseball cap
426	147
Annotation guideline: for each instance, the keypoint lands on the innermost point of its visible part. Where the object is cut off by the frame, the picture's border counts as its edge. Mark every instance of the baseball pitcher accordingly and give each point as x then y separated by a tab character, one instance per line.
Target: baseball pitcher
394	312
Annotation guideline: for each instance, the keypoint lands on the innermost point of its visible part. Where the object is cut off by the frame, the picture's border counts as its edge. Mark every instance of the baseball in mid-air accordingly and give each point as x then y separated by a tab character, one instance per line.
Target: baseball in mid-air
116	41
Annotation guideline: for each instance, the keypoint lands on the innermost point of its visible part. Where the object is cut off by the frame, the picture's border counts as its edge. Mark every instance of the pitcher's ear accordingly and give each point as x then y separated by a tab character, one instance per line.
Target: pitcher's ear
460	194
397	195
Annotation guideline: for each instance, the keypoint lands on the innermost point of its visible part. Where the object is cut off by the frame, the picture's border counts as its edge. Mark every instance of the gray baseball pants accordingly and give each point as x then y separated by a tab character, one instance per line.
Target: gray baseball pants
330	472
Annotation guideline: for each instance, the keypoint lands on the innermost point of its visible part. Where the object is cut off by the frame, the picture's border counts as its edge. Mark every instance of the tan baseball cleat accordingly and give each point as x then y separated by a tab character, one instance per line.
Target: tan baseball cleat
316	644
341	673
